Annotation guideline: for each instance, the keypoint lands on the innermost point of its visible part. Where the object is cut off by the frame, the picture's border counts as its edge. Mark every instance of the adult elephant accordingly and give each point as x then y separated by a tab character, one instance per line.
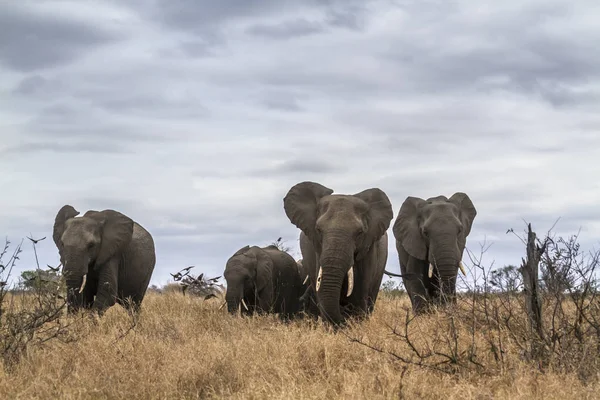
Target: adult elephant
262	280
107	257
430	238
344	246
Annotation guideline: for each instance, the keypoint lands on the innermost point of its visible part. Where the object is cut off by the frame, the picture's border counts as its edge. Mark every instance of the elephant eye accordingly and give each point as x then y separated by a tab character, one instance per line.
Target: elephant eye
90	245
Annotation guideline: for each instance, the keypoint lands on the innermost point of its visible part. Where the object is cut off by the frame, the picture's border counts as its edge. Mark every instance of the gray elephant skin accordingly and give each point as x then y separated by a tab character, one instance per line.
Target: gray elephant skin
107	257
430	239
343	244
308	303
263	280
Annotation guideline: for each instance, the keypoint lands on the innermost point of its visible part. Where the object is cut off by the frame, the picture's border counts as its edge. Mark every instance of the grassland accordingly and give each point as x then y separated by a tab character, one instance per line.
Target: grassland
185	348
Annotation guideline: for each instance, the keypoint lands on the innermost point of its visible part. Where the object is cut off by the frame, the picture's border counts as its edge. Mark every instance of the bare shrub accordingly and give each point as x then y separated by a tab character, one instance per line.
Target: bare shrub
196	285
28	317
491	328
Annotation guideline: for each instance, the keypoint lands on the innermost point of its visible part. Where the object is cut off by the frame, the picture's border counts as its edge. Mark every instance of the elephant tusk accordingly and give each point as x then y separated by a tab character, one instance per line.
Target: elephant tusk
350	281
305	280
462	268
319	278
430	273
83	283
244	303
222	305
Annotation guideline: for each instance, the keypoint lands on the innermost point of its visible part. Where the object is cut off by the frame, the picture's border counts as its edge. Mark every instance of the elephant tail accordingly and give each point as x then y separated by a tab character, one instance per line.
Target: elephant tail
407	276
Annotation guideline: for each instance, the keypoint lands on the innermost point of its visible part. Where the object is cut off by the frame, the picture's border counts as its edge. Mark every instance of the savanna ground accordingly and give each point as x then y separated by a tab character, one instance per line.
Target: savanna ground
182	347
495	342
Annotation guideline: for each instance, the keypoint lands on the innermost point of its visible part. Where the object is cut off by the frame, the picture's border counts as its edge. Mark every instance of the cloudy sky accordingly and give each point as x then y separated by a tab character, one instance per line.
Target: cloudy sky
196	117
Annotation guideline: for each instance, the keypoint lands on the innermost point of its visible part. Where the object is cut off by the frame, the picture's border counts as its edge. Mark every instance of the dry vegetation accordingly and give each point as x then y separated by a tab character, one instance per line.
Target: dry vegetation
183	347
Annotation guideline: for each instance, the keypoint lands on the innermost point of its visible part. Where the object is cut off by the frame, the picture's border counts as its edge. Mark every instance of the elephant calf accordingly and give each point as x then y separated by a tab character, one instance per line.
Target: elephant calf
107	257
263	280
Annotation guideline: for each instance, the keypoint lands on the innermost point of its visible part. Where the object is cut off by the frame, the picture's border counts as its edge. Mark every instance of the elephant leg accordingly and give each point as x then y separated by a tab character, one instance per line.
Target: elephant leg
416	284
251	309
250	301
89	292
434	290
107	287
264	301
129	303
308	303
286	307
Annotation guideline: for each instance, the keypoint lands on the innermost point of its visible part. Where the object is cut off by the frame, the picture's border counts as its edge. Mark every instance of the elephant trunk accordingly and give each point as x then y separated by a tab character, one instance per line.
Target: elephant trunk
233	299
446	262
336	264
75	272
329	297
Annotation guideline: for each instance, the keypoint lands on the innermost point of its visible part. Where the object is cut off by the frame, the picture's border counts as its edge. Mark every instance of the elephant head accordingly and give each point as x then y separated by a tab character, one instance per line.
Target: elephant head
342	229
86	243
435	231
249	275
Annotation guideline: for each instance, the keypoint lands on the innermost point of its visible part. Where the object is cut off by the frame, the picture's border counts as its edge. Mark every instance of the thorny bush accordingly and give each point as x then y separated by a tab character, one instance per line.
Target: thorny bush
27	317
488	331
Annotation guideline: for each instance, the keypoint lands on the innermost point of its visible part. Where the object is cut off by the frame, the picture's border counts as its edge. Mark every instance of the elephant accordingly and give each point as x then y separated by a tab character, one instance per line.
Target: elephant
107	257
343	242
308	303
263	280
302	272
430	239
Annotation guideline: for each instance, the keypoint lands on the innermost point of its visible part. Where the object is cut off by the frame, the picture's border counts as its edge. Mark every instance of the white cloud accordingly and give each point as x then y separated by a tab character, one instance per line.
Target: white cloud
196	121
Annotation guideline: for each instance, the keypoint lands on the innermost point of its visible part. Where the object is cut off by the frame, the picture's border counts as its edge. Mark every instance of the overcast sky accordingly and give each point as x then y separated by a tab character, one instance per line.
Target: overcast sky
195	117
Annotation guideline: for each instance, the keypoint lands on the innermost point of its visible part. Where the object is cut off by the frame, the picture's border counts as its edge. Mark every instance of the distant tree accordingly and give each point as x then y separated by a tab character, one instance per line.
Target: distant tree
39	279
506	279
392	288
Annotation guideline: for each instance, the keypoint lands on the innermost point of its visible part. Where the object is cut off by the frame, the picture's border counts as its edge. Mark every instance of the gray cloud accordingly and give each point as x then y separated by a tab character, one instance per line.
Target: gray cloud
45	39
287	29
81	147
195	117
300	167
283	101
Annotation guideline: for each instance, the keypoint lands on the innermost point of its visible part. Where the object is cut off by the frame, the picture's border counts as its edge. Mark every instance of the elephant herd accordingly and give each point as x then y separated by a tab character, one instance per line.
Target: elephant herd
108	257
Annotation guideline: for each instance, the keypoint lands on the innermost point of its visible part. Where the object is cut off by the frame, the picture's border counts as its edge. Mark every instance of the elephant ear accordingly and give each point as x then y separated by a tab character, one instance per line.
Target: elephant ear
300	205
407	230
264	269
467	213
117	231
380	213
65	213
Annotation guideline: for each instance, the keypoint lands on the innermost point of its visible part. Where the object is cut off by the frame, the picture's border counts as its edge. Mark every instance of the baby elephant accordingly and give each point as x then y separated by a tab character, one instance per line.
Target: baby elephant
263	280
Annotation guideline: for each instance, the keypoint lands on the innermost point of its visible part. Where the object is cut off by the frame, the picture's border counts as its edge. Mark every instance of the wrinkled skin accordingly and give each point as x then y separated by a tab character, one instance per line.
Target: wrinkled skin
308	300
340	233
267	279
114	253
432	231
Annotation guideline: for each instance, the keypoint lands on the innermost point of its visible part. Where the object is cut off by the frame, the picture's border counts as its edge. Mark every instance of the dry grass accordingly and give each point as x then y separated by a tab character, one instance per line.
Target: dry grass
183	348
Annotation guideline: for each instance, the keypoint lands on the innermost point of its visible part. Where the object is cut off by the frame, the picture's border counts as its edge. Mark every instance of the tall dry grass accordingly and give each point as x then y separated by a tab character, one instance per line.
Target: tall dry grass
184	348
